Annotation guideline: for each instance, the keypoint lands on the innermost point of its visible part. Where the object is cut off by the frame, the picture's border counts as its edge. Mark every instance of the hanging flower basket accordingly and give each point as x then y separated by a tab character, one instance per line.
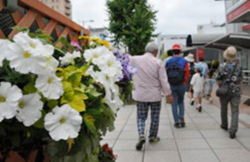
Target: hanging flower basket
56	104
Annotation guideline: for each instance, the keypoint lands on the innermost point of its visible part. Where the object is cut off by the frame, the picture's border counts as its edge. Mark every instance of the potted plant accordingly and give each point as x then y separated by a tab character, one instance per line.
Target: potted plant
56	104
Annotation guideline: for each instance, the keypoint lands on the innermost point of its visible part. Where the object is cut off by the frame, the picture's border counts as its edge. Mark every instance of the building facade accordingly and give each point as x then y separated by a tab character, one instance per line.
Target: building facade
238	21
62	6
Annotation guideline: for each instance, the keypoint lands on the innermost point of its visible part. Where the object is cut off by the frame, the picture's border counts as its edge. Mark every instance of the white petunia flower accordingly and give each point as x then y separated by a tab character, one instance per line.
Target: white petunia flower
33	45
90	71
50	86
51	65
63	123
69	58
29	109
4	44
9	96
111	66
106	80
96	53
112	98
25	61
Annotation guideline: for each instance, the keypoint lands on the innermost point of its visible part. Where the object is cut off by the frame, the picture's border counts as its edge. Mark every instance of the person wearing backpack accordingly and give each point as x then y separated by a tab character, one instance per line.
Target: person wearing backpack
230	76
178	73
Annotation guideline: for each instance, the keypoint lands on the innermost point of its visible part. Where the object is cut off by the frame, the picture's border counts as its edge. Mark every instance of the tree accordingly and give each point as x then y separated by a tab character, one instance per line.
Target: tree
132	22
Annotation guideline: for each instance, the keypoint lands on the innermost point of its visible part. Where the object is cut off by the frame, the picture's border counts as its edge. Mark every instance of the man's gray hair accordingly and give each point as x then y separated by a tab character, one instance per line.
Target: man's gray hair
151	47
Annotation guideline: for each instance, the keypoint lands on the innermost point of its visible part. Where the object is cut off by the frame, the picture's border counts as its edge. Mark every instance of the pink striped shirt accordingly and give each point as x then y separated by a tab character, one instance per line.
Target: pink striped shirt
151	79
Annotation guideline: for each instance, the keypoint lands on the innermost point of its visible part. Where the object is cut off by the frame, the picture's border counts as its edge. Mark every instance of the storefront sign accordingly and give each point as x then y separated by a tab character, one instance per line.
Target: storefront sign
240	11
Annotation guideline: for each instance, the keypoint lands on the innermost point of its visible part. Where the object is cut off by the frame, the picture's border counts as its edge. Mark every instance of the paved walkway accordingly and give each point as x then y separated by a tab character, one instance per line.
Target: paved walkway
201	140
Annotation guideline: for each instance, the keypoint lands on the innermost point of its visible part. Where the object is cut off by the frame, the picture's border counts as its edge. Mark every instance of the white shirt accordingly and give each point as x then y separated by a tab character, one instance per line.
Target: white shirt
198	82
150	80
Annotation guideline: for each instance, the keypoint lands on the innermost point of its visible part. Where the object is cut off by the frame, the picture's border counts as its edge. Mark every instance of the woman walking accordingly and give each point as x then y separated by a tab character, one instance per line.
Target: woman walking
197	84
230	77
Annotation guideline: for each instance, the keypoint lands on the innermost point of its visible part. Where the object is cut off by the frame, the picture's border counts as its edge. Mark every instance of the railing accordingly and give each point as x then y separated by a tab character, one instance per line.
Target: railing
68	5
36	15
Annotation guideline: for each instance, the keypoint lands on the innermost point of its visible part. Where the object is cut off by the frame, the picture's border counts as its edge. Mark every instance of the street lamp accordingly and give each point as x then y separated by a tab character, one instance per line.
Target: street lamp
84	21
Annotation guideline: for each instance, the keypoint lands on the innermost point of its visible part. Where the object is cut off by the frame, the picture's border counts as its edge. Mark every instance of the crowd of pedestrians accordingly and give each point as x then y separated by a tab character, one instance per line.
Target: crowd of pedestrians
173	78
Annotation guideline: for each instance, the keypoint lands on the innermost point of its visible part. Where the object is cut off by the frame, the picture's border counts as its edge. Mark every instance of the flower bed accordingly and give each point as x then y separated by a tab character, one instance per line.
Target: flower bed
59	102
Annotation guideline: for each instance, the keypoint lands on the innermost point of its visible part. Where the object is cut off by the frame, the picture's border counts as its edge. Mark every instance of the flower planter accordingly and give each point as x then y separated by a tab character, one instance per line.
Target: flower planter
14	156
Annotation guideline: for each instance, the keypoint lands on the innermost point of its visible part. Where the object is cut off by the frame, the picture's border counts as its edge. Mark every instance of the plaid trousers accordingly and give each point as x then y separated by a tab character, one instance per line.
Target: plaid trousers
142	113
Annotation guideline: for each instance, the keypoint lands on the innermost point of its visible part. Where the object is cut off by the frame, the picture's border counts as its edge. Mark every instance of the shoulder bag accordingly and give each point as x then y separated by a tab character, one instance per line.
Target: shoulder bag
224	86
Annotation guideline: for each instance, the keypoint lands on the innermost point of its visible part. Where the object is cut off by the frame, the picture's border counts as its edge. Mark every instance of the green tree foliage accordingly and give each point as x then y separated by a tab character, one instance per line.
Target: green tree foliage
132	22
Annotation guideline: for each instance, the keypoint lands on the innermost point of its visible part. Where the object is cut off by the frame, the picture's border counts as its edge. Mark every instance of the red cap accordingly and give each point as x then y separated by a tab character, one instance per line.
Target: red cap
176	47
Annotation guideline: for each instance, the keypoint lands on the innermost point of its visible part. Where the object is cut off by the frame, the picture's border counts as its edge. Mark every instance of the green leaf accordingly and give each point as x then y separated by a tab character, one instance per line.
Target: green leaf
40	123
82	95
78	104
84	69
52	103
30	88
89	121
68	92
20	29
71	69
75	78
93	92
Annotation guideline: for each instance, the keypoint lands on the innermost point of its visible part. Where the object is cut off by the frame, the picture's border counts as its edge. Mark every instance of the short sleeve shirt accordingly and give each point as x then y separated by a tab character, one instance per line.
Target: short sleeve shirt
198	82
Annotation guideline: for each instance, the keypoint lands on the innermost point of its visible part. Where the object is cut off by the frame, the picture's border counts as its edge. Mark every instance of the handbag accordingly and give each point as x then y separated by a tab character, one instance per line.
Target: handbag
224	87
222	90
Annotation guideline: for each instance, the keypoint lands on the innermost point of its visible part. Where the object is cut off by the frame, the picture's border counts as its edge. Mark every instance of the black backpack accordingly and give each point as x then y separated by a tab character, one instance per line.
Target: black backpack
175	72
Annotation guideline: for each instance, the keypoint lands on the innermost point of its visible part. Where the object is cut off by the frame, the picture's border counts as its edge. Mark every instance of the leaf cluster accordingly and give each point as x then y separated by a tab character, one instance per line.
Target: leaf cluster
132	23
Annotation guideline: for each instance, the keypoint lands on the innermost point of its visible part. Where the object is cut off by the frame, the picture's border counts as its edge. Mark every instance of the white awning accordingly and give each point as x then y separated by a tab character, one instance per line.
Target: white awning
201	39
239	40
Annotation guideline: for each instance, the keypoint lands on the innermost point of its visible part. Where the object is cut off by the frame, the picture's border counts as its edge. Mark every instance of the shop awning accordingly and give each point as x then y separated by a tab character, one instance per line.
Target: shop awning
201	39
239	40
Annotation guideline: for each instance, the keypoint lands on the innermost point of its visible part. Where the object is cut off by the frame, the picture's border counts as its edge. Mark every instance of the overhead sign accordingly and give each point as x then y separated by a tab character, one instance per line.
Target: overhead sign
239	13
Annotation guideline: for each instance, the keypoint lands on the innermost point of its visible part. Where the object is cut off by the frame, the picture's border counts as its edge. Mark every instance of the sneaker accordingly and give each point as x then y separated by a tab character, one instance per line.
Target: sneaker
199	108
223	127
192	102
177	125
140	143
182	122
232	135
155	139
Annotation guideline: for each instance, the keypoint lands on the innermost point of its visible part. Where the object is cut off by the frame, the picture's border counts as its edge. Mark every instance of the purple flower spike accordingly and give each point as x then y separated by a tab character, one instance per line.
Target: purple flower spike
125	59
126	72
131	69
76	44
120	78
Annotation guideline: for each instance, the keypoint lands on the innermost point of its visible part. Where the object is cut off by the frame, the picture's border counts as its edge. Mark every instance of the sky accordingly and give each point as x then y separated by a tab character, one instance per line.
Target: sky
173	16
